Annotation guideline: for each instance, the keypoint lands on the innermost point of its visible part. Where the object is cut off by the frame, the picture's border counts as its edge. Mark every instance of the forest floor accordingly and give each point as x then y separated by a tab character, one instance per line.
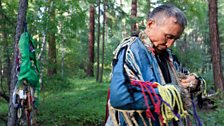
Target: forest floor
81	102
68	102
73	102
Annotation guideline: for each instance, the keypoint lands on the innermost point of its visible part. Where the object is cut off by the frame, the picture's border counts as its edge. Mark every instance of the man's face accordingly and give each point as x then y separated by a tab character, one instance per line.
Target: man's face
163	34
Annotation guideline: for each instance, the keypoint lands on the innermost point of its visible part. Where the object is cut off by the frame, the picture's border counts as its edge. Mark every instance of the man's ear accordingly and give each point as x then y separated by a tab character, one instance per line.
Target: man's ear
150	23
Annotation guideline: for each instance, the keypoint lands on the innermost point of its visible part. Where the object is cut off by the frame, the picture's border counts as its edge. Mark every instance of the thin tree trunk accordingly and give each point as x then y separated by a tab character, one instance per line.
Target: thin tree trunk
133	15
23	4
62	56
40	55
215	46
40	59
91	41
52	68
98	45
103	42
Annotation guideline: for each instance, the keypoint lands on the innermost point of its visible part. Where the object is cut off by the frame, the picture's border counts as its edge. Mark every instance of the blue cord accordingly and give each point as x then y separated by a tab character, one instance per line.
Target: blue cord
197	119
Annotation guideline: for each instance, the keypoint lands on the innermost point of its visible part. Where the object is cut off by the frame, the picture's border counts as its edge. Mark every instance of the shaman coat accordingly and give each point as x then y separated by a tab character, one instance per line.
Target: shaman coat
134	59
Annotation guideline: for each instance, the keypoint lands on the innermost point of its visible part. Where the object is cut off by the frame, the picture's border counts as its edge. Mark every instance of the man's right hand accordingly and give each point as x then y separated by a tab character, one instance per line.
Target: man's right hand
189	82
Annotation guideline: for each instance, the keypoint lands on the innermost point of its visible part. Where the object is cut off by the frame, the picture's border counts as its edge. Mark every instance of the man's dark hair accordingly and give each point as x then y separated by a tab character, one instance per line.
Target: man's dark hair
168	10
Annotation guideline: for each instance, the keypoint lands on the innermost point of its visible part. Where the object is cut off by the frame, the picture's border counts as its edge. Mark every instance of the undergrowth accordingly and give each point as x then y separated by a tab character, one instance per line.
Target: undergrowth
72	102
214	116
81	102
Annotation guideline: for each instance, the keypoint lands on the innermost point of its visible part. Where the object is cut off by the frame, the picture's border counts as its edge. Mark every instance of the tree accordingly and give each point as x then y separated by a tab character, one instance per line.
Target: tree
98	44
103	40
133	15
91	42
40	58
215	45
52	68
23	4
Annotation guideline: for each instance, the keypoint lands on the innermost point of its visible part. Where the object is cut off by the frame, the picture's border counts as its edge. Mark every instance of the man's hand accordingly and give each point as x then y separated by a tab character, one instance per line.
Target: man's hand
189	82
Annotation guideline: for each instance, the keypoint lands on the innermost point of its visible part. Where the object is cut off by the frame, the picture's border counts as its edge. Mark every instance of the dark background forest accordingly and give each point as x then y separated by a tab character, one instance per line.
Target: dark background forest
75	43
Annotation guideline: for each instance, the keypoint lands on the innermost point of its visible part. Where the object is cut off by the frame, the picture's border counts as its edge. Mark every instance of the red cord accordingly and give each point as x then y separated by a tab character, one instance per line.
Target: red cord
147	86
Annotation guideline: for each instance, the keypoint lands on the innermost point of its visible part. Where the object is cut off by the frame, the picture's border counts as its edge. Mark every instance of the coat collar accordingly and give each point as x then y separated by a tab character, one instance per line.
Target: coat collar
147	42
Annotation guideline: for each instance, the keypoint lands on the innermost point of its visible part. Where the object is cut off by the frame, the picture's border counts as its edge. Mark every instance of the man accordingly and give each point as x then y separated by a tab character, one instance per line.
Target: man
143	61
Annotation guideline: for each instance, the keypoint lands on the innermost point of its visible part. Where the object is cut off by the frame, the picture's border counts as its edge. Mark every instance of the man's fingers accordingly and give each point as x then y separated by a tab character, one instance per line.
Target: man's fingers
184	81
184	85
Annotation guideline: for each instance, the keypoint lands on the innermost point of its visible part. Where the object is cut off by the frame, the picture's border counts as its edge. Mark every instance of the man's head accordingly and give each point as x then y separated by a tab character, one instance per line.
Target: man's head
165	24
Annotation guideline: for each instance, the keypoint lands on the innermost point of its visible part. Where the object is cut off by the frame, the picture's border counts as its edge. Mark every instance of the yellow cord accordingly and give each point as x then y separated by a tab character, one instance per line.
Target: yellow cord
170	94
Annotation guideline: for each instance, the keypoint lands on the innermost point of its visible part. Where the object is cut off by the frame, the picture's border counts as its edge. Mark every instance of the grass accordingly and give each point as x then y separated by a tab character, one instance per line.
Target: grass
81	102
215	116
72	102
3	112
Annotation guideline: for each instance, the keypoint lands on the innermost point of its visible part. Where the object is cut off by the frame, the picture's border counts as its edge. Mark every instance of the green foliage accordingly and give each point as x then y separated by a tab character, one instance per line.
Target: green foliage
69	100
72	101
214	117
75	51
3	111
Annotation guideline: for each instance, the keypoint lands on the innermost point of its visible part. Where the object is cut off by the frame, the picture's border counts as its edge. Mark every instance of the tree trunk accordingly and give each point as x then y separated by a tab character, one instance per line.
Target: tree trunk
23	4
133	15
98	44
91	41
62	56
40	59
103	42
52	58
43	44
215	45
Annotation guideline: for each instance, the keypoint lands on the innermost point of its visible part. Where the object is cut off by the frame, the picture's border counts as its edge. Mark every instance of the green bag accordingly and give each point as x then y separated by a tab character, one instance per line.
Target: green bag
29	69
